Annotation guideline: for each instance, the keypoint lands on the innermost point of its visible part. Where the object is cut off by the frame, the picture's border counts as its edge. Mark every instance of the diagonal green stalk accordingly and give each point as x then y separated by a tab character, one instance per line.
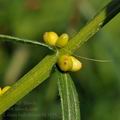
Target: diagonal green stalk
27	83
42	71
102	18
20	40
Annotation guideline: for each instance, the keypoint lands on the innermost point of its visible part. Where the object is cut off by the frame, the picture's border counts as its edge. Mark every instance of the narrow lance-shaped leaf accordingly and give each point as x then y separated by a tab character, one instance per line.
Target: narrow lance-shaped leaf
69	98
20	40
27	83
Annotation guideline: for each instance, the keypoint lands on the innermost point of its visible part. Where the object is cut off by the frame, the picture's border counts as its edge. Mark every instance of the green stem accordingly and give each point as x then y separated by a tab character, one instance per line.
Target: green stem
27	83
102	18
42	71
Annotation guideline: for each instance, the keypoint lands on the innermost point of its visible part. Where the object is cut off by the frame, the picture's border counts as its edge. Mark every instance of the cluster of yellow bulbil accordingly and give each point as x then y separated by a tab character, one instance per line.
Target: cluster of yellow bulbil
69	63
52	39
5	89
65	62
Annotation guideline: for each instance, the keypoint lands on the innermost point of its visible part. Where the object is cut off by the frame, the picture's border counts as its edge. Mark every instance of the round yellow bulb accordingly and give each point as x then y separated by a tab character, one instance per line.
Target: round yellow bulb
5	89
65	63
62	40
50	38
69	63
77	65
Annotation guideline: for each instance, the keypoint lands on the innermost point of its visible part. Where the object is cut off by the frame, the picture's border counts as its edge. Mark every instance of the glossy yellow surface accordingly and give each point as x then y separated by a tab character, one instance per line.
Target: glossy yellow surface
62	40
50	38
65	63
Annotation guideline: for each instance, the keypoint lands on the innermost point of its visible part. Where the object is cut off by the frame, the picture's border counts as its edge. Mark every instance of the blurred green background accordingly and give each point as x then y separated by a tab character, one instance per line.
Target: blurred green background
98	84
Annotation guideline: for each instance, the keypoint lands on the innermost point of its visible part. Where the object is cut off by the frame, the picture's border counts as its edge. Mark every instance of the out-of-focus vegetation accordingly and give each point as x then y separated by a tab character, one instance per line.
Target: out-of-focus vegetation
98	84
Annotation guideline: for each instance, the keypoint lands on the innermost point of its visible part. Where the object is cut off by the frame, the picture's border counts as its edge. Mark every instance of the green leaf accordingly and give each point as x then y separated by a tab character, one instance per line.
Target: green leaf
27	83
69	98
20	40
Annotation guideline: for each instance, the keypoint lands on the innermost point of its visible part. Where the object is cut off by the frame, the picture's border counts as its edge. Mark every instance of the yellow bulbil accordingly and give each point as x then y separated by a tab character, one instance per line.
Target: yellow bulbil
50	38
5	89
69	63
65	63
77	65
62	40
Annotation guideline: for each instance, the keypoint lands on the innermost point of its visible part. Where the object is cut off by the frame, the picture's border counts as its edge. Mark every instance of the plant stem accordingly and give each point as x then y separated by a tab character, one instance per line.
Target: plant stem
27	83
102	18
42	71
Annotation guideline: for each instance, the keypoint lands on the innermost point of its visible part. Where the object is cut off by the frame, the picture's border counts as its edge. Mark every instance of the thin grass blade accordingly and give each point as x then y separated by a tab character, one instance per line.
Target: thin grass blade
25	41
